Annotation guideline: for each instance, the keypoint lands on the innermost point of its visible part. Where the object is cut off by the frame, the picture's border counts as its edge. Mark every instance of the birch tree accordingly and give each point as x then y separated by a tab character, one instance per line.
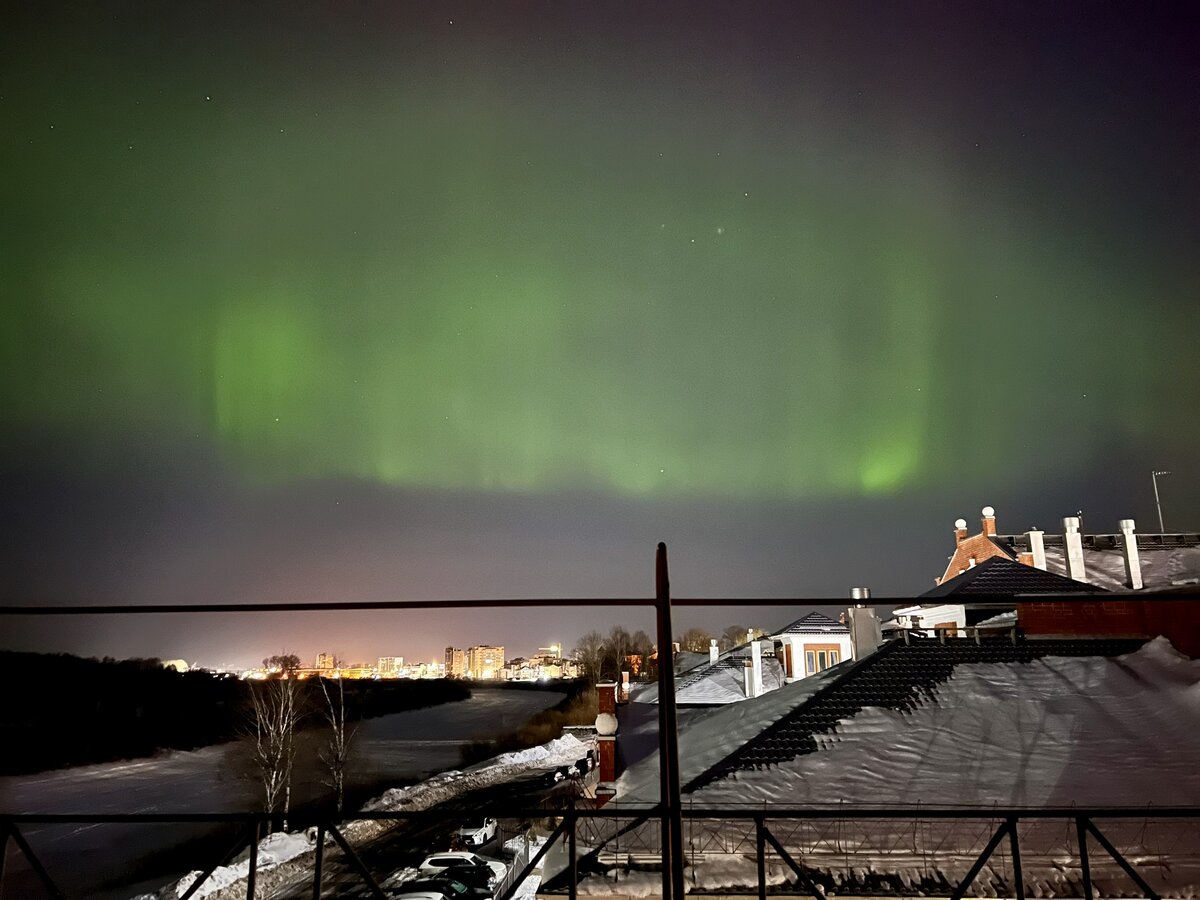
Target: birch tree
336	751
276	714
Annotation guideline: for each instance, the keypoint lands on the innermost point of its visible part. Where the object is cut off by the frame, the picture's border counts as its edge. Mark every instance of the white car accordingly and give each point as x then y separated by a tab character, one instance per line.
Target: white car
441	861
478	832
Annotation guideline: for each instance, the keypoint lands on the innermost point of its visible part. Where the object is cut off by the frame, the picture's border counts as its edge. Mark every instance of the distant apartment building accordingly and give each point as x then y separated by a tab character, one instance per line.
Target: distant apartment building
456	663
390	666
484	663
326	661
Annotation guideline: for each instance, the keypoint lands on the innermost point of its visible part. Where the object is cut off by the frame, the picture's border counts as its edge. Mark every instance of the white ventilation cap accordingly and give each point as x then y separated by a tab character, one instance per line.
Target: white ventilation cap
989	511
960	523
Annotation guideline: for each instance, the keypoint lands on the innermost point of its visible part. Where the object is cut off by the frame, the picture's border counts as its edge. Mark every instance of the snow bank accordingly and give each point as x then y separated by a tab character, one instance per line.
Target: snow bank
272	851
559	752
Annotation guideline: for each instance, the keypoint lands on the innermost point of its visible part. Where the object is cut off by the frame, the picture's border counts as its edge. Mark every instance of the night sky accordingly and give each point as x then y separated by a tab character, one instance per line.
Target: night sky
320	301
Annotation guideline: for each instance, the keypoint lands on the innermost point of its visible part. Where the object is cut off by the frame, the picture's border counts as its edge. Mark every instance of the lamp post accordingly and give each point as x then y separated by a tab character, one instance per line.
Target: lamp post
1154	477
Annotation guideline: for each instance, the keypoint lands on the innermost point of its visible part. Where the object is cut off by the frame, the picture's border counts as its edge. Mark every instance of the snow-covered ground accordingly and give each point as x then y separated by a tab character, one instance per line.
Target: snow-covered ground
282	857
83	857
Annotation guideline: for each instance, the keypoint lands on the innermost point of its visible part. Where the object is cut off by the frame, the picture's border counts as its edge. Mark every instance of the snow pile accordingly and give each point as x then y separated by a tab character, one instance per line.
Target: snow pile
273	850
440	788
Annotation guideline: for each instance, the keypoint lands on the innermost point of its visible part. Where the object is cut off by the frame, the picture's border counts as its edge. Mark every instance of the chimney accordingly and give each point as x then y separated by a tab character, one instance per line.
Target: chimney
748	678
989	521
756	661
866	631
960	531
1073	548
1037	548
1133	563
606	739
713	652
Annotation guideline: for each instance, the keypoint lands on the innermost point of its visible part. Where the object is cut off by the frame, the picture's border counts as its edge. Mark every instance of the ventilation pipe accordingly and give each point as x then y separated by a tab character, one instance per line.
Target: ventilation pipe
748	678
1037	547
1129	547
756	662
713	652
866	631
1073	547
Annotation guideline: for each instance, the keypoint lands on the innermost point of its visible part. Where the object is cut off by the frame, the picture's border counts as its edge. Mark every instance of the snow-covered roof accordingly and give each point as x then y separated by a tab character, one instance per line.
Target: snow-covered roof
1041	723
813	623
1000	575
1168	560
717	683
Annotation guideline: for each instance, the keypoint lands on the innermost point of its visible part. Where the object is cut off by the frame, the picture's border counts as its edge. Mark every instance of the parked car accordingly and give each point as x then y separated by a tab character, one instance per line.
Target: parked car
439	862
478	832
413	894
472	874
448	887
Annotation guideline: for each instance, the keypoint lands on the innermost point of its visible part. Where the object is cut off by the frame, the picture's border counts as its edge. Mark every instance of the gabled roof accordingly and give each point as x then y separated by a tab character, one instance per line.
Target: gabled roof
813	623
1000	575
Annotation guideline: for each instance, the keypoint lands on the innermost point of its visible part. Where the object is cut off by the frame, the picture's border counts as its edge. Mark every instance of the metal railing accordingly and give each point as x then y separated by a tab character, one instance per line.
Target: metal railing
669	812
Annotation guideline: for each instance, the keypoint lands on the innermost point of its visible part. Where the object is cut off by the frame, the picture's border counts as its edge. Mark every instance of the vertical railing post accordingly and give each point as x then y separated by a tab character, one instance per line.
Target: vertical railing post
317	860
252	874
572	858
1015	844
1084	864
3	854
668	737
760	843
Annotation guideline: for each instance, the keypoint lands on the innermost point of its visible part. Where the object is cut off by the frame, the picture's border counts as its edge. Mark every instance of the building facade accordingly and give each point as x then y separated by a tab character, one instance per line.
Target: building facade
484	663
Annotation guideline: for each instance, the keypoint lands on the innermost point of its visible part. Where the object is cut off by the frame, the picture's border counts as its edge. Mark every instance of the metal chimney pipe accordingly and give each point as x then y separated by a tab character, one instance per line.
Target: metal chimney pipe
1073	547
1133	562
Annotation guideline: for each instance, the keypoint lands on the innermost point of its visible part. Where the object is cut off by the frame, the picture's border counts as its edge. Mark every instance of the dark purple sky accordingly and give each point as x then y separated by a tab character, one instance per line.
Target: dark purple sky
317	302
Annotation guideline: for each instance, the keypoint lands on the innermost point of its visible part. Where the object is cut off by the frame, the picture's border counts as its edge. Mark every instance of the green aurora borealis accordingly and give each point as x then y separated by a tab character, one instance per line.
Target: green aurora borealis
377	300
462	256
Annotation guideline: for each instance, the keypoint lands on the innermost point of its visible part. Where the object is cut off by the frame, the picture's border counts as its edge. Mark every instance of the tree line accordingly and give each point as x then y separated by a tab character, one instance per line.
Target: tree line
605	657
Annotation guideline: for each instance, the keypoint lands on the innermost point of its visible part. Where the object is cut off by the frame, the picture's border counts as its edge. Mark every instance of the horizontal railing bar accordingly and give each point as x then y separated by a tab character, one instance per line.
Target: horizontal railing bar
569	602
747	813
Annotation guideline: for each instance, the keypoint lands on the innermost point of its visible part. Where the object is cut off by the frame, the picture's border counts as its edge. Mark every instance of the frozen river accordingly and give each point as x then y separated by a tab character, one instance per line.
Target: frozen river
89	860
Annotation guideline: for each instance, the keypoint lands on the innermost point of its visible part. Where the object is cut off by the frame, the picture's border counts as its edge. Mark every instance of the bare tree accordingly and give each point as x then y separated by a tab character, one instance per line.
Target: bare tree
642	647
284	662
589	653
336	751
695	640
736	635
617	648
276	714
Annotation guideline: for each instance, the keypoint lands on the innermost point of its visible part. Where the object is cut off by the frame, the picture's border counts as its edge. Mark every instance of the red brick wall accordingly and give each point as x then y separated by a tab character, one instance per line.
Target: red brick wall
608	759
978	546
1177	620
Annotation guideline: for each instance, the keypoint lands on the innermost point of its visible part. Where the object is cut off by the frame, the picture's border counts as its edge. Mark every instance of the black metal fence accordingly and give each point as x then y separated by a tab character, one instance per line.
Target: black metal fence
677	847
